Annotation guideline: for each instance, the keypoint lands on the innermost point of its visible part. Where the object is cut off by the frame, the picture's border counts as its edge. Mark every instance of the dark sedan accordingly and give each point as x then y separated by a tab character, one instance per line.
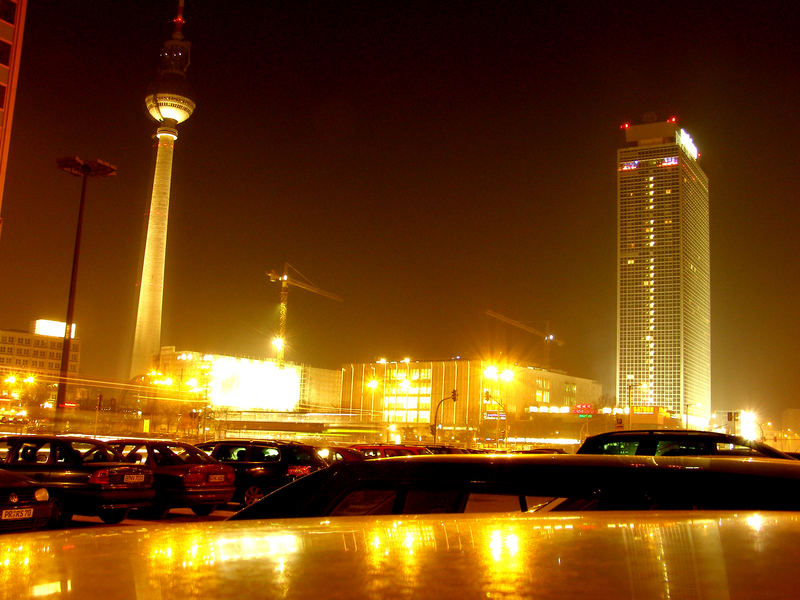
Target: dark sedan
82	475
563	482
262	466
676	442
24	504
183	475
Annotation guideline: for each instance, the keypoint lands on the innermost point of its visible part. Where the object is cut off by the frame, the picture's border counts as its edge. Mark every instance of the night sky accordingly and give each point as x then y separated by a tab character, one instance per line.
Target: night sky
426	161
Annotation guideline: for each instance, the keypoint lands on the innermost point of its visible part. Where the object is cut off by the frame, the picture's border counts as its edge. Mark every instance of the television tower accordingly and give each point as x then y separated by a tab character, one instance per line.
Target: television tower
169	102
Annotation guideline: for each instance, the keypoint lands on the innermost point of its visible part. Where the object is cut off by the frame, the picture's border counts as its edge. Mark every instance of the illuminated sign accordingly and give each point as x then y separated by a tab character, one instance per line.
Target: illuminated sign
52	328
670	161
685	141
629	166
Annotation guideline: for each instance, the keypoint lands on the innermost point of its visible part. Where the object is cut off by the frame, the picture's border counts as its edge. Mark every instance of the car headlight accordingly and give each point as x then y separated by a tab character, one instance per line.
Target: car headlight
41	495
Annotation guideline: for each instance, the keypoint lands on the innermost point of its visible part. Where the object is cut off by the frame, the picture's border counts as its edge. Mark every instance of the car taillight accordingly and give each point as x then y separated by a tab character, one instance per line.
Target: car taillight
100	477
194	476
299	470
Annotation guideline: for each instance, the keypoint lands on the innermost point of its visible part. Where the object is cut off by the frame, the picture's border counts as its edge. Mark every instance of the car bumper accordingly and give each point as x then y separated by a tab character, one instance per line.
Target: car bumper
41	512
88	503
195	496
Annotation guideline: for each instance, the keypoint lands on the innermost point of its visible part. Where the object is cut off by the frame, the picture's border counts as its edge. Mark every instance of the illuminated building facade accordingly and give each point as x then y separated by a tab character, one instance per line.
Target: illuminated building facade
12	25
247	385
33	357
169	103
663	274
511	402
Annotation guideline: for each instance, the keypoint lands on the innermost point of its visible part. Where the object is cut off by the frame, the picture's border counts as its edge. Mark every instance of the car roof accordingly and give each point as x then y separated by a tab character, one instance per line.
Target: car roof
619	555
492	463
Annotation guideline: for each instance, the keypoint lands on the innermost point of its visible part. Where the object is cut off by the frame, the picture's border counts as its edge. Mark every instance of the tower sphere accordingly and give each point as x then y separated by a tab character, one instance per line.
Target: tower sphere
164	106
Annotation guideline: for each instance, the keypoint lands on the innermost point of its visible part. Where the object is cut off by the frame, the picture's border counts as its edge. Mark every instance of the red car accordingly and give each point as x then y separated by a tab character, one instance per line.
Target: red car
183	475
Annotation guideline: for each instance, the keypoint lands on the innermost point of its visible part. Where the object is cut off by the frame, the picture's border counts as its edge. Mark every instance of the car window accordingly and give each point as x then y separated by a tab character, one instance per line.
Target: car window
619	447
228	452
365	502
164	457
301	455
686	447
188	454
396	452
93	452
736	449
433	501
65	455
6	447
266	454
134	453
371	452
34	452
482	503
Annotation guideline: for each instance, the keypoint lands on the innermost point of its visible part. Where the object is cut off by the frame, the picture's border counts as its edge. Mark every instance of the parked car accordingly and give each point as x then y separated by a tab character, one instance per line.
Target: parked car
445	450
621	556
676	442
262	466
334	454
516	482
24	503
386	450
183	475
82	475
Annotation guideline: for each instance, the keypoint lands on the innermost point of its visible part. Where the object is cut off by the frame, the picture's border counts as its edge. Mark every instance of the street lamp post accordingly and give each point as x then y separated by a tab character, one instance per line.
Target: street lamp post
83	169
453	396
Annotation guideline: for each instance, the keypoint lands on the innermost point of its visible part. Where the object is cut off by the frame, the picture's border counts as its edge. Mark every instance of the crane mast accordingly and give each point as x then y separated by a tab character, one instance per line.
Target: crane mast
548	338
297	280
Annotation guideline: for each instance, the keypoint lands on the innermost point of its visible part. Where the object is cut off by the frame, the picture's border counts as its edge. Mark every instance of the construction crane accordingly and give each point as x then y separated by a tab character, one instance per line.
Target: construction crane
548	338
297	280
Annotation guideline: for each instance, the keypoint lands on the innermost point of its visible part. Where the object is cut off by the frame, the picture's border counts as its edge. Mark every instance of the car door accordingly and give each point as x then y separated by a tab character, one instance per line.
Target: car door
28	457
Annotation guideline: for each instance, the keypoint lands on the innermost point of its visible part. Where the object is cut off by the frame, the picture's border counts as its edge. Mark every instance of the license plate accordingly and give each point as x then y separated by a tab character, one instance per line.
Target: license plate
17	513
216	478
134	478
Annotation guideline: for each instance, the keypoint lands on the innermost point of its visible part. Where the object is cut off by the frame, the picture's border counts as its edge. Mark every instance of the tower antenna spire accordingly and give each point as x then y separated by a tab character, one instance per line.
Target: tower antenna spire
178	20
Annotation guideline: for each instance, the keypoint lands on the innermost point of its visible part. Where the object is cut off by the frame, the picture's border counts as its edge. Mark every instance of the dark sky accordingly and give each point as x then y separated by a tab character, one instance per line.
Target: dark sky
424	160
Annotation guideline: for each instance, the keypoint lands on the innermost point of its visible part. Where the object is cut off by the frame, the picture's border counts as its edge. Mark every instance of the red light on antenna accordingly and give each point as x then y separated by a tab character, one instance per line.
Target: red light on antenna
672	120
624	125
178	20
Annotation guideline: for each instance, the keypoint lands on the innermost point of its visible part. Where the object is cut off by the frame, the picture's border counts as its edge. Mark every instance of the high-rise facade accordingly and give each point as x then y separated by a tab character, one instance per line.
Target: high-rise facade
12	26
169	103
663	274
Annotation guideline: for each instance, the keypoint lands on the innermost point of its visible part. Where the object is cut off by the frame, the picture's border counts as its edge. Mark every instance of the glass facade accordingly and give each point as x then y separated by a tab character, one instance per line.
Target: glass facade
663	266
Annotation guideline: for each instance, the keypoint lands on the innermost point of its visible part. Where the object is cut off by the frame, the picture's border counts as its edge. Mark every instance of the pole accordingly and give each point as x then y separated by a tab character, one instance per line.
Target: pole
66	345
630	406
83	169
453	396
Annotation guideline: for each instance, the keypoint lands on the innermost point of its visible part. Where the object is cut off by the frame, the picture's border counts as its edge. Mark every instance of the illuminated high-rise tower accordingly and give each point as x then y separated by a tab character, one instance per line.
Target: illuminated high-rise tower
169	103
663	273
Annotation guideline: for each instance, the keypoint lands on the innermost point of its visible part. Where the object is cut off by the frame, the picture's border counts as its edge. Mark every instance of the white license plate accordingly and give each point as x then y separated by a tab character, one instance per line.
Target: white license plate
216	478
17	513
134	478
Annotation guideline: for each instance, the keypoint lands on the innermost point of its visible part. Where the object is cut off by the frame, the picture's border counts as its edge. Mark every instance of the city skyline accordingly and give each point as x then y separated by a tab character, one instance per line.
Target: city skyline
426	162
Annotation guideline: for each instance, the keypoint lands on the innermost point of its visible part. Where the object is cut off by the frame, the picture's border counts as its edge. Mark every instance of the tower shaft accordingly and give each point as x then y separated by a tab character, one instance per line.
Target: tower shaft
147	336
